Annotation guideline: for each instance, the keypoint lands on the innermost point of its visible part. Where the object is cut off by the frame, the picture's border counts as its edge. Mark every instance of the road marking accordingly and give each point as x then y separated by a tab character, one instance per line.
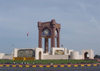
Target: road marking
82	65
34	66
1	65
62	66
55	66
88	65
41	66
68	65
13	65
47	66
94	64
27	66
20	66
7	65
75	65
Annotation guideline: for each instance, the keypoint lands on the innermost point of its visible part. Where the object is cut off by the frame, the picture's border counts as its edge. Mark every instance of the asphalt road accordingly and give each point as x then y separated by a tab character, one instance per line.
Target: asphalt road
79	68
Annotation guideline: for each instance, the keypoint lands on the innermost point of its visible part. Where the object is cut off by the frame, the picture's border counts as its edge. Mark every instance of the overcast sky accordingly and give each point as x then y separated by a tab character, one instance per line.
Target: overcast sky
79	19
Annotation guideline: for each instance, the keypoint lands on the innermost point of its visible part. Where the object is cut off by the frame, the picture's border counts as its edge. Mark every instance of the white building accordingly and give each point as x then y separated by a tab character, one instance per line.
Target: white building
55	53
6	56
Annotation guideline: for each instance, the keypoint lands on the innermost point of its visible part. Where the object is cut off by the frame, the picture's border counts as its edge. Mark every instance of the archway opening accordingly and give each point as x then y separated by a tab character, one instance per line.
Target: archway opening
46	35
39	55
86	55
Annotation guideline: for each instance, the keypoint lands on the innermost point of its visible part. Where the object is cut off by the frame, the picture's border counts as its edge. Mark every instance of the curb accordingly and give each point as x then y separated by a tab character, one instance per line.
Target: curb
48	66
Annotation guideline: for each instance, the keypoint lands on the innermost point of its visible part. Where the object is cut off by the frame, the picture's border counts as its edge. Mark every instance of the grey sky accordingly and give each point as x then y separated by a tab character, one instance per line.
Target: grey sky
80	21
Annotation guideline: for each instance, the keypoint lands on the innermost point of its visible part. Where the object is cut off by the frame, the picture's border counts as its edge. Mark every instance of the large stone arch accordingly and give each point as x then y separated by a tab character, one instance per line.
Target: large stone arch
87	54
52	26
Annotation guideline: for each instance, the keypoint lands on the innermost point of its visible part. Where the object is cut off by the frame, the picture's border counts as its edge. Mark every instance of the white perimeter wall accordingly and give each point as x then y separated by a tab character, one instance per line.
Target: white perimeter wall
2	55
51	57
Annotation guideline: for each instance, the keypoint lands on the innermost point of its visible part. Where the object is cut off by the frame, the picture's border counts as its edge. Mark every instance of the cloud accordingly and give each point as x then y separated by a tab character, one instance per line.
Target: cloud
79	21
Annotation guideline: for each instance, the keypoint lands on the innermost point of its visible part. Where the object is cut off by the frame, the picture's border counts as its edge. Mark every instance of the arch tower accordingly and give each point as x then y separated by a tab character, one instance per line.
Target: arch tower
49	30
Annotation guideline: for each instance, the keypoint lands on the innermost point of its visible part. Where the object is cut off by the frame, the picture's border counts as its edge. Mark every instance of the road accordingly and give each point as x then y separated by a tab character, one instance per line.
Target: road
66	68
52	69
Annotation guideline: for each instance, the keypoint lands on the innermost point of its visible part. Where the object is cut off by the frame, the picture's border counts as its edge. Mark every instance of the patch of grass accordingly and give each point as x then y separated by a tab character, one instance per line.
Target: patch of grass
64	61
5	61
48	62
